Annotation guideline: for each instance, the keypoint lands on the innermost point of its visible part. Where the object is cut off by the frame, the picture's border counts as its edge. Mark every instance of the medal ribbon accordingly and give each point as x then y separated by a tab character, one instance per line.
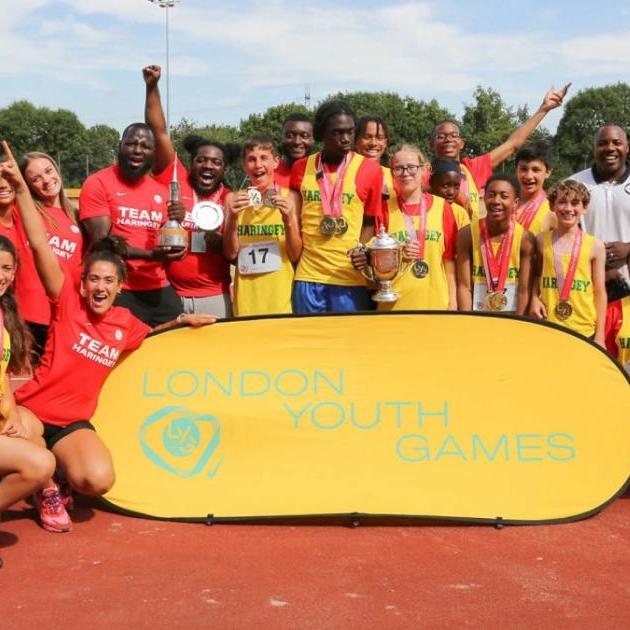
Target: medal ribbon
496	267
525	214
565	283
422	223
330	194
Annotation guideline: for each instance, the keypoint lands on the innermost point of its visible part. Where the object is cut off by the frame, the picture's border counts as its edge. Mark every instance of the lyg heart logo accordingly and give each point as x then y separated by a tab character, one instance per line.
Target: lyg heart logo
182	442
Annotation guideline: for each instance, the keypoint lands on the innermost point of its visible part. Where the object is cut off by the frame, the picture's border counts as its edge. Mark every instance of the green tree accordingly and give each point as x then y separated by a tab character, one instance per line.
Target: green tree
270	122
57	132
218	133
487	122
101	148
408	119
583	114
20	125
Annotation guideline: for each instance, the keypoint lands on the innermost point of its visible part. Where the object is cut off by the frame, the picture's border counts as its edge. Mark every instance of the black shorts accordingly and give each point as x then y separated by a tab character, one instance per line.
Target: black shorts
53	433
153	307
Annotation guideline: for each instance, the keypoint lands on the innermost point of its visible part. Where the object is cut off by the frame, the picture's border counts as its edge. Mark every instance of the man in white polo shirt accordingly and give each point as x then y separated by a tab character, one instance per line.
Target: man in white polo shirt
608	216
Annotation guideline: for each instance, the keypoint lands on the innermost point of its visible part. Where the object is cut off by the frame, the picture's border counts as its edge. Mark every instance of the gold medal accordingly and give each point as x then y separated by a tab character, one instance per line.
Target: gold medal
341	225
267	198
420	268
563	310
327	226
496	301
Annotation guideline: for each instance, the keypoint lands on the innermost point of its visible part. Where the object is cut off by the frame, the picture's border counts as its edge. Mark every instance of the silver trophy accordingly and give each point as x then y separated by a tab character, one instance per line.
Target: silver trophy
384	256
172	234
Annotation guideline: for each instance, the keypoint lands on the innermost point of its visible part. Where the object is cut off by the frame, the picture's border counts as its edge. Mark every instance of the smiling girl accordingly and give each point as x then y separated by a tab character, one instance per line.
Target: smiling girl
24	466
43	179
426	227
87	336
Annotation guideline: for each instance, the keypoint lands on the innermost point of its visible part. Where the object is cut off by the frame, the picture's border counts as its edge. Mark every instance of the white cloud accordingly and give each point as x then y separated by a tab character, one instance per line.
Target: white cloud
243	55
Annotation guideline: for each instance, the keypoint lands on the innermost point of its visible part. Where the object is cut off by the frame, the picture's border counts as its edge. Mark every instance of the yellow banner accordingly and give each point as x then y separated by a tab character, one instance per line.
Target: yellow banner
442	415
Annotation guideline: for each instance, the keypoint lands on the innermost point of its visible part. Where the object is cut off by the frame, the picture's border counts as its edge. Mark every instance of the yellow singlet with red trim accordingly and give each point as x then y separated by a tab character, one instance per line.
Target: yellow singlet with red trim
461	216
623	336
479	273
268	292
581	298
325	258
473	191
538	222
430	292
388	180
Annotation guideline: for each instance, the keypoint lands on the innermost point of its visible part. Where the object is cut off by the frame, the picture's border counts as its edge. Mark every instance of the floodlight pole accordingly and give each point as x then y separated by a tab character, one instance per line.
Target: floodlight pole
166	5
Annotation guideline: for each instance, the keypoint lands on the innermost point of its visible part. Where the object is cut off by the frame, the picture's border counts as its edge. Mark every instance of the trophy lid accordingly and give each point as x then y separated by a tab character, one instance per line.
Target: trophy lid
384	241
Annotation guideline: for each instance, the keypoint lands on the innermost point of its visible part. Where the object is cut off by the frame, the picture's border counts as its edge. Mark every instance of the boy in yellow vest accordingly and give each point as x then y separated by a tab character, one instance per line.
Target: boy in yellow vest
262	234
532	171
495	254
569	286
341	195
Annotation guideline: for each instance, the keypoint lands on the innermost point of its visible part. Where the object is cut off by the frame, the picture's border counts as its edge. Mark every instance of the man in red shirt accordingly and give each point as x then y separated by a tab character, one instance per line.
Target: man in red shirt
297	143
126	201
202	278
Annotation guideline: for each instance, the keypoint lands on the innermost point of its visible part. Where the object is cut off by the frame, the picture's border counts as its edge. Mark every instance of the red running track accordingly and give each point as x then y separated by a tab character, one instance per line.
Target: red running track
114	571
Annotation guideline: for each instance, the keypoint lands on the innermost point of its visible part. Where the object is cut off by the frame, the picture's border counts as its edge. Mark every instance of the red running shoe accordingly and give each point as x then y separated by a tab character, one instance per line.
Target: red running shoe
52	513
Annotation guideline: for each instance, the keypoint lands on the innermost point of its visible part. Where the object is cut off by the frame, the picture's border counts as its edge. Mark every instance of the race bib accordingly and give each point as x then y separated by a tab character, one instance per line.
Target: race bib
480	291
198	242
262	257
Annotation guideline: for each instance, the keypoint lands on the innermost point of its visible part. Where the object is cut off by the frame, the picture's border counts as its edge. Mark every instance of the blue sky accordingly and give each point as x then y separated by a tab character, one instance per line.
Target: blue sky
232	59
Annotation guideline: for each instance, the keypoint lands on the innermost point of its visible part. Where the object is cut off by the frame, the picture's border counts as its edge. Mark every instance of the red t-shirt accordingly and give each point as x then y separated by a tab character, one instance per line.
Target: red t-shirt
66	241
200	273
480	168
10	231
137	211
80	352
27	282
614	321
282	175
369	185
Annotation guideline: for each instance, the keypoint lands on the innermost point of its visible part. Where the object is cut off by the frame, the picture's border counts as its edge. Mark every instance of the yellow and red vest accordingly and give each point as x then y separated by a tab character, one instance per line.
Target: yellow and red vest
514	266
263	293
430	292
325	258
584	317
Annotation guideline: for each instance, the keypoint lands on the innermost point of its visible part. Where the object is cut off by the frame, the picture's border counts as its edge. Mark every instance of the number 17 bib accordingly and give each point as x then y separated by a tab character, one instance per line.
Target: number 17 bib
261	257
